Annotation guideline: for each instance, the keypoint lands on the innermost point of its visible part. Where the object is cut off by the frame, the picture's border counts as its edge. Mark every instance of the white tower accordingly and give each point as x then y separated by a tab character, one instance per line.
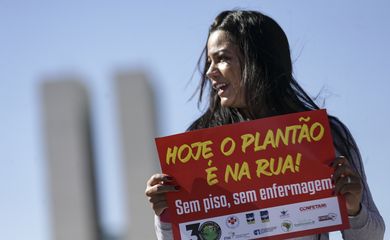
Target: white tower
73	204
137	131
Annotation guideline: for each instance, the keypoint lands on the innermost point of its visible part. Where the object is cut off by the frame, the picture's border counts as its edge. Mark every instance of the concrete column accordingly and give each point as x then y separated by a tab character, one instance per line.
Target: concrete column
70	167
137	131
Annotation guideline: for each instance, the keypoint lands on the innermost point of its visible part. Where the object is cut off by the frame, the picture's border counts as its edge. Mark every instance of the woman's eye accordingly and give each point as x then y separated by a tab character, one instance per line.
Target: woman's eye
224	59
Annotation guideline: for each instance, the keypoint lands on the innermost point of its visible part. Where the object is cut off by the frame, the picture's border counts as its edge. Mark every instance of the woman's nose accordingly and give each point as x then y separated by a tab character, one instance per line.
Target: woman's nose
212	72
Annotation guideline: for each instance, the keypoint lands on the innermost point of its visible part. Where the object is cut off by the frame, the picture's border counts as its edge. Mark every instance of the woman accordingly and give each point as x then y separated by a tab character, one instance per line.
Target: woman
248	73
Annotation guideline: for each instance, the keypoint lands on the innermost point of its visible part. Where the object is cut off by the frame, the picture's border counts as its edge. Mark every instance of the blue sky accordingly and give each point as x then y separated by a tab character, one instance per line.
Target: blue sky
339	48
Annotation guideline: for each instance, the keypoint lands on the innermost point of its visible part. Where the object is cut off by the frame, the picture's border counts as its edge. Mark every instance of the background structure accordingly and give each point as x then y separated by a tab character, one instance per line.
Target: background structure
340	49
70	162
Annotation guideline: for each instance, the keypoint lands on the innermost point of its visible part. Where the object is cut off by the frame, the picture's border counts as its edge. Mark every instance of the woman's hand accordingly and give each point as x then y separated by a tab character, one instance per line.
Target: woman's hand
156	187
348	183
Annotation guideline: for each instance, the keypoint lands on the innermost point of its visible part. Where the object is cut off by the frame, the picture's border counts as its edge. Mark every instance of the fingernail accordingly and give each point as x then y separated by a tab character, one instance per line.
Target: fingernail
169	178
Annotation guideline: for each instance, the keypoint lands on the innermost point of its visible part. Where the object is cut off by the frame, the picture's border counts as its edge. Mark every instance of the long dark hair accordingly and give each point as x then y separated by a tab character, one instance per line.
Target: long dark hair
270	88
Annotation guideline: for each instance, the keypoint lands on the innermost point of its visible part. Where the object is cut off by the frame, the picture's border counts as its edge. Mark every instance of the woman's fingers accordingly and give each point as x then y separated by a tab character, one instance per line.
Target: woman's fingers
340	161
159	183
342	172
347	183
160	189
342	168
158	178
156	187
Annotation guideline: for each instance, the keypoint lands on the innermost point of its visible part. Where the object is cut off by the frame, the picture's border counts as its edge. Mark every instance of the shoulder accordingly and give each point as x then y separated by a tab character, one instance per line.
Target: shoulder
344	143
336	124
339	131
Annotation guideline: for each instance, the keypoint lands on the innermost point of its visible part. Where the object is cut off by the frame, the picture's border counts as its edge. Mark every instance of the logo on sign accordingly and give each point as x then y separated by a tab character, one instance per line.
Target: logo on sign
286	226
250	218
284	214
264	215
232	221
263	230
304	222
207	231
210	231
312	207
233	235
330	216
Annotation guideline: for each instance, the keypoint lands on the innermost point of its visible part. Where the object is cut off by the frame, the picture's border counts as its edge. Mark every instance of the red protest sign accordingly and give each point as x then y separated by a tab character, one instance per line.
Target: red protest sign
268	178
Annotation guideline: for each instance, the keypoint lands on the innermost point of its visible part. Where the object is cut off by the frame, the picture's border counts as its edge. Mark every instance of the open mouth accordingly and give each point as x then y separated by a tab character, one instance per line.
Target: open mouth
220	87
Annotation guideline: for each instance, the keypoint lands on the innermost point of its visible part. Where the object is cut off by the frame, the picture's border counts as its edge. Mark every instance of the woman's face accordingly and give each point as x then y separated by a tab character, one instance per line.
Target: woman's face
225	70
